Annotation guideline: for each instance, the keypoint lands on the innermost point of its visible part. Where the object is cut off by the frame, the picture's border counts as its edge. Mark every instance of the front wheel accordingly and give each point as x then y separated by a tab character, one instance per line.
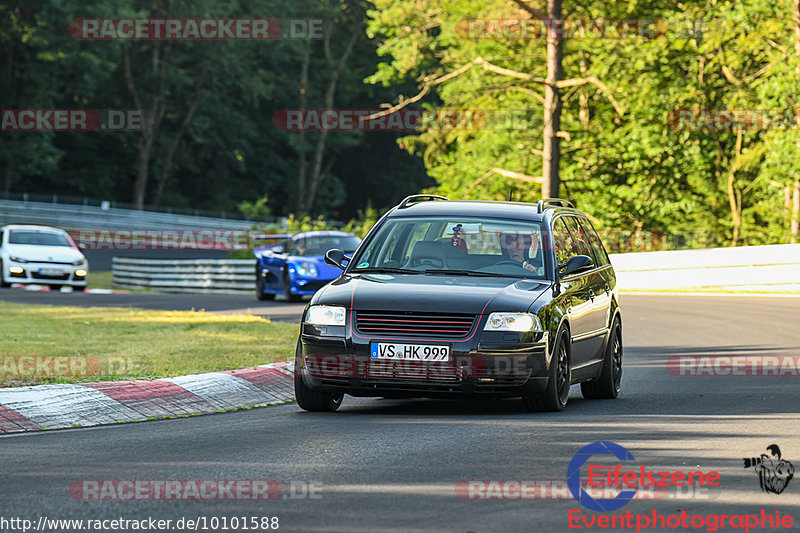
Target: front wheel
287	288
260	294
3	282
556	395
309	399
607	386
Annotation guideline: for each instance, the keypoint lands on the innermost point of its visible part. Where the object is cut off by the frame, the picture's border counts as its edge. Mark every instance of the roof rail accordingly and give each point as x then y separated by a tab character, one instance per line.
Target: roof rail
415	198
556	201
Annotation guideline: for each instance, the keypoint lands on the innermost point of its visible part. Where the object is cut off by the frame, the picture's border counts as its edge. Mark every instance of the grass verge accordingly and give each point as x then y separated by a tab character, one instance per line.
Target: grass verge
119	344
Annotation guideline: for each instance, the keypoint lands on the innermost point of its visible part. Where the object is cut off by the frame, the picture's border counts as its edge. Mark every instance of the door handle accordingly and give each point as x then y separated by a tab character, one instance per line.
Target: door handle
591	294
608	289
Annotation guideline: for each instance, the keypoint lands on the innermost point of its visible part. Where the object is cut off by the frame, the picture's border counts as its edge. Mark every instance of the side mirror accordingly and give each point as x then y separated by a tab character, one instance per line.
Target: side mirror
277	250
576	263
335	257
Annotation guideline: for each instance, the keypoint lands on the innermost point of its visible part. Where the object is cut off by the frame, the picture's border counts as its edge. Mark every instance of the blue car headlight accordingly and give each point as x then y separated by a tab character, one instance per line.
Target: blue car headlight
307	269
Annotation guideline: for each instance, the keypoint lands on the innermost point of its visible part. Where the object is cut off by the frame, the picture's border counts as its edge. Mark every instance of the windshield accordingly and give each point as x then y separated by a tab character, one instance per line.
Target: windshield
39	238
458	246
320	245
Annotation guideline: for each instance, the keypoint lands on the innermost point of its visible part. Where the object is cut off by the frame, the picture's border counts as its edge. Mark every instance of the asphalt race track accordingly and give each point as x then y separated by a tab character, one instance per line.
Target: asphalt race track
389	465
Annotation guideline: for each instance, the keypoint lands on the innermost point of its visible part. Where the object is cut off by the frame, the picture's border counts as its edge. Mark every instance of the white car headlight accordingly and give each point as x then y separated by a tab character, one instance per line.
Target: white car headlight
79	262
17	259
513	322
325	315
307	269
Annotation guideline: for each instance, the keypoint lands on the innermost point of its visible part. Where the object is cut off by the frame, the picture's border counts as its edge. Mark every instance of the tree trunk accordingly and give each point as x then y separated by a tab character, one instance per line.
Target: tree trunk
150	120
735	201
552	102
166	167
317	172
796	211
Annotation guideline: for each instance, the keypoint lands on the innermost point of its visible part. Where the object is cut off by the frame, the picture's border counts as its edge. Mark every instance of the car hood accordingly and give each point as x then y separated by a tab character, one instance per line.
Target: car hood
447	294
31	252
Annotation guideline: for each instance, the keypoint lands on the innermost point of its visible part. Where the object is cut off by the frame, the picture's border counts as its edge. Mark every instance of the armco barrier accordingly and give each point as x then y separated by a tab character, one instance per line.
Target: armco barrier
773	268
185	275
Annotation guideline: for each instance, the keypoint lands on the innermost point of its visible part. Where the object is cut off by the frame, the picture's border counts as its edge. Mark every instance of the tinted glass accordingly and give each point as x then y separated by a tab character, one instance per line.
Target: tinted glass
39	238
500	247
563	241
320	245
580	242
599	254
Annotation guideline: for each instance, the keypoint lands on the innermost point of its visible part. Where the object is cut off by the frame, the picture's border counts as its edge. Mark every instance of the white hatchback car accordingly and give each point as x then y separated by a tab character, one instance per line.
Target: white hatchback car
42	255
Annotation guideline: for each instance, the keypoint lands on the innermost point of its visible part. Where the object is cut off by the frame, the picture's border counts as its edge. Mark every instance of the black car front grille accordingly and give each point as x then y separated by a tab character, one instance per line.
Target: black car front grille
59	277
423	325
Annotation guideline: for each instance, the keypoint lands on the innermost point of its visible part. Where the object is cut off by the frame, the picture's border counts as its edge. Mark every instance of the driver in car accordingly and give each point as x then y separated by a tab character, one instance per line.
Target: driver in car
523	249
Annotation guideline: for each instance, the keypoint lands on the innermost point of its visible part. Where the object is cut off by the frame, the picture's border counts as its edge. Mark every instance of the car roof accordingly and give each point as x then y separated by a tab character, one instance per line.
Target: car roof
479	208
323	233
33	227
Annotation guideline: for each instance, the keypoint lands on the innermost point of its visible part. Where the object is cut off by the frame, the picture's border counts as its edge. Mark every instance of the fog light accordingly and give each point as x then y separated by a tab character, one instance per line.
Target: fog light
16	270
80	273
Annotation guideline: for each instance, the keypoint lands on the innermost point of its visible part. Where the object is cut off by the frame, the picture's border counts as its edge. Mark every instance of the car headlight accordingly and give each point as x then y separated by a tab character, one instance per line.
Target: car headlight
325	315
513	322
307	269
80	273
79	262
17	259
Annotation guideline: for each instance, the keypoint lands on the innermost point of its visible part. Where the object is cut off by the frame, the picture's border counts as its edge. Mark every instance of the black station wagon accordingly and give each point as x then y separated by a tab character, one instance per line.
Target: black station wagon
466	299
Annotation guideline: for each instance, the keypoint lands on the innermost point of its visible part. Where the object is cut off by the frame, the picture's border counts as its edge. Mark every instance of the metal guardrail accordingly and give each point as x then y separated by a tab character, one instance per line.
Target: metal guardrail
75	217
185	275
770	268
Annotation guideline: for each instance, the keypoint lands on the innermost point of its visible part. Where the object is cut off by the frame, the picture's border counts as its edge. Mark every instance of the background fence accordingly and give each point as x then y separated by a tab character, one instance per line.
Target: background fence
185	275
753	268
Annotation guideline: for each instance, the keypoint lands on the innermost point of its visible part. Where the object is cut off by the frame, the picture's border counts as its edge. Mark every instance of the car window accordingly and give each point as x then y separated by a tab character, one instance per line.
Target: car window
39	238
580	242
290	246
467	244
563	242
599	254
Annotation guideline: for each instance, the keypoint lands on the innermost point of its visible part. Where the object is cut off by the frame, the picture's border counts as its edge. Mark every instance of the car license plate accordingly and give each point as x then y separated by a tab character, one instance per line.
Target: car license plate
50	272
409	352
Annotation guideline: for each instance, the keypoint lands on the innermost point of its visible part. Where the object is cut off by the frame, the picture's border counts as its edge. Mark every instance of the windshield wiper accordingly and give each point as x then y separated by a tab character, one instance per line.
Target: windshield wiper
384	270
452	272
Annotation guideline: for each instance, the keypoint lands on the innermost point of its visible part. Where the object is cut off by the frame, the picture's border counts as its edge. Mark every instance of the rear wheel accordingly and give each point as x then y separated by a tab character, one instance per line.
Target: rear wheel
607	386
308	399
556	395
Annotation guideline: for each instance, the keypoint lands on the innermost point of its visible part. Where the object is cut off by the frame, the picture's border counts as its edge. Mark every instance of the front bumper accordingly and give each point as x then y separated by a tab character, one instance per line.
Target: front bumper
45	273
485	368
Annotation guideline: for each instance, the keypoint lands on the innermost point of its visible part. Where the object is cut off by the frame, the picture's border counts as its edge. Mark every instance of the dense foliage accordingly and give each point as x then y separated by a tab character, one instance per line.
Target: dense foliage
628	156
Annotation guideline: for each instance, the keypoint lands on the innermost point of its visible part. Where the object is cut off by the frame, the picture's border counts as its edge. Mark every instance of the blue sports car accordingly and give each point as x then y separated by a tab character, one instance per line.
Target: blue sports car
296	267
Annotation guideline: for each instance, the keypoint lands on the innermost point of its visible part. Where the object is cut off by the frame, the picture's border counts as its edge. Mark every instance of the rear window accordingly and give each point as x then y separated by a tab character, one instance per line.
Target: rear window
38	238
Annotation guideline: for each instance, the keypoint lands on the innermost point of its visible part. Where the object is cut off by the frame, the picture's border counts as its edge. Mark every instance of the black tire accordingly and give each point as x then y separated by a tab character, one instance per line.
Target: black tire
309	399
3	282
608	384
260	295
556	395
287	284
55	287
